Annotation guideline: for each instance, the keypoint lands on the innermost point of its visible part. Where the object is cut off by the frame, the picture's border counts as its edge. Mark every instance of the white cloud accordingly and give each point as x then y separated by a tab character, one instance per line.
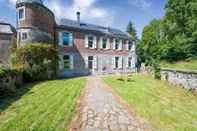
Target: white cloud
13	2
143	4
89	13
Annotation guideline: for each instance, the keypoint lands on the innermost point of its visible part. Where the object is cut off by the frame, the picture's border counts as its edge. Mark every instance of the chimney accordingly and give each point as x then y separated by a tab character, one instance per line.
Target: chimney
78	17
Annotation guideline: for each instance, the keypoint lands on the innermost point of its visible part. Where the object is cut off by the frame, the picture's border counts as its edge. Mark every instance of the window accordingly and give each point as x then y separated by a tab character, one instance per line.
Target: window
90	41
129	45
90	62
129	61
117	44
116	62
66	62
24	35
104	43
66	38
21	13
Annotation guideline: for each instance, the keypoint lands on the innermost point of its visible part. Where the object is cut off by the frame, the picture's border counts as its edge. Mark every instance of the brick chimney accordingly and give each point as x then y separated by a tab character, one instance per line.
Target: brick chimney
78	17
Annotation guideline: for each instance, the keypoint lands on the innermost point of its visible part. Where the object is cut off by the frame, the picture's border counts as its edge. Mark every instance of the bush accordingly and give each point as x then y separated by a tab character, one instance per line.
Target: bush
10	80
36	61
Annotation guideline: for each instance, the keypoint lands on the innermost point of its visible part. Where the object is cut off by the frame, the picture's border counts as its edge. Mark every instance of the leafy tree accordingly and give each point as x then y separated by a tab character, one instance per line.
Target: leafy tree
174	37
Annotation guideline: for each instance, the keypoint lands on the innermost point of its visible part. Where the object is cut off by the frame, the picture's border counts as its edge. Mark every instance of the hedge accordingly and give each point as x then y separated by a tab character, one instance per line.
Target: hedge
37	61
10	80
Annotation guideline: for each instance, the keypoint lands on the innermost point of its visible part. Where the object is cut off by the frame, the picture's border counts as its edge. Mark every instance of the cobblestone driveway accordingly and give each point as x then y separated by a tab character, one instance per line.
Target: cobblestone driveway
101	111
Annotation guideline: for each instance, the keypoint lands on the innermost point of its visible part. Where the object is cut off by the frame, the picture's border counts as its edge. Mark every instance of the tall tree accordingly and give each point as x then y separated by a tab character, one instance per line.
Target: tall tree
131	30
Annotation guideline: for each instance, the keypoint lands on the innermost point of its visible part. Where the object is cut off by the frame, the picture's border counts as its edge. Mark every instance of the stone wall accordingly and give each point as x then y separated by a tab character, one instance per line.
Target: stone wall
186	79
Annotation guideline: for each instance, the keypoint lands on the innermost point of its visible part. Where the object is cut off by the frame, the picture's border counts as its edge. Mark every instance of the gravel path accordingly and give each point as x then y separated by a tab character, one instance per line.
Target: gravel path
101	111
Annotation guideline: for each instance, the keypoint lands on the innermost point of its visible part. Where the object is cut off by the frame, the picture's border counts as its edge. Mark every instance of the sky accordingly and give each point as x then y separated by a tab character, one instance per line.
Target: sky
109	13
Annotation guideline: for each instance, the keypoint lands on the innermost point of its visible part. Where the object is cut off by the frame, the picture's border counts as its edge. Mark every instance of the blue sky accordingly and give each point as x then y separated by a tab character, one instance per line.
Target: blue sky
113	13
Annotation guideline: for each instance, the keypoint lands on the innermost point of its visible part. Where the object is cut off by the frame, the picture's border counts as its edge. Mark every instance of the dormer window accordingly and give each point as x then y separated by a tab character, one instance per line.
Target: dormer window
21	13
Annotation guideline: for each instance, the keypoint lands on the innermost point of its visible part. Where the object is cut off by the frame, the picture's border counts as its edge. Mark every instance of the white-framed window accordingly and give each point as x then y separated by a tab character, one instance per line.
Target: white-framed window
68	62
117	44
129	62
130	45
90	41
91	62
65	38
24	36
21	13
118	62
104	43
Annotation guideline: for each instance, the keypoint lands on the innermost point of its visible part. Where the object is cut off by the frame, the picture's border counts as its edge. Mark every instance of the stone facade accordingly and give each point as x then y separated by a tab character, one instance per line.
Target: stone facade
186	79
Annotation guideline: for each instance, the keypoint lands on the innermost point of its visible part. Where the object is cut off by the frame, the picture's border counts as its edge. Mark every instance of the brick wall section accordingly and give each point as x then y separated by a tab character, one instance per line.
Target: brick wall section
38	17
79	44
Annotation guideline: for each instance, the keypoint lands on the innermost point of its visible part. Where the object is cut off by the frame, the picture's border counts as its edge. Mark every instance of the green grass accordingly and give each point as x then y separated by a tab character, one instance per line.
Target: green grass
186	65
166	108
45	106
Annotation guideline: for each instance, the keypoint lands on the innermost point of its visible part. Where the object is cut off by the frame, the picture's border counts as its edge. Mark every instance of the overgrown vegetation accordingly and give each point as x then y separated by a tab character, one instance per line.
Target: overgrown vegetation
165	107
45	106
172	38
36	61
10	80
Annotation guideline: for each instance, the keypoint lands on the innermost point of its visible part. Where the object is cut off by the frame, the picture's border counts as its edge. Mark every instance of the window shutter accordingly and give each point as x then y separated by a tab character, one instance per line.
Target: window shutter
71	62
60	38
127	45
70	39
86	62
113	62
114	43
101	42
95	42
108	43
95	62
86	41
61	65
127	62
120	62
120	45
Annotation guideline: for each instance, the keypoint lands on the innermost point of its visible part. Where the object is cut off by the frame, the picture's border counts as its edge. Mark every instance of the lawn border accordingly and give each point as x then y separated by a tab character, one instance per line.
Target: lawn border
143	123
74	126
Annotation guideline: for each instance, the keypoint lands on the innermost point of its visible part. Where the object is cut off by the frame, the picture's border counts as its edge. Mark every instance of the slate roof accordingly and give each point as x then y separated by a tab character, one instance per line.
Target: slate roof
29	1
6	28
90	27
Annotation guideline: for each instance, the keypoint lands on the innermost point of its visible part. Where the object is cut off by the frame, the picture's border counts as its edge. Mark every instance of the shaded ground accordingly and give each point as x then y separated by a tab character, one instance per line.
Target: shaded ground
46	106
165	107
101	111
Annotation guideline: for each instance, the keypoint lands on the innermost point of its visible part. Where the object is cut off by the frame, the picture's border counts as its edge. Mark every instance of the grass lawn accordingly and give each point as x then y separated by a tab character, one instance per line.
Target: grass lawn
45	106
166	108
187	65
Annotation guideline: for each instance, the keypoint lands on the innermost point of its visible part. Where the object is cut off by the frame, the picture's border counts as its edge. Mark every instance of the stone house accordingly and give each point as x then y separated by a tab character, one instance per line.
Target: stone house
7	37
83	48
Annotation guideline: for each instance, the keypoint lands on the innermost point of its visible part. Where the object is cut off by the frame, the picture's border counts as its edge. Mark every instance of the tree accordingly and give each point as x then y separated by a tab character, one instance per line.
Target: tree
131	30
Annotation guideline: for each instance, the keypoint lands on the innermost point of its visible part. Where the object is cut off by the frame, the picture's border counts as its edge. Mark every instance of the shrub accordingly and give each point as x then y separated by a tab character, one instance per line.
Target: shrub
37	61
10	80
